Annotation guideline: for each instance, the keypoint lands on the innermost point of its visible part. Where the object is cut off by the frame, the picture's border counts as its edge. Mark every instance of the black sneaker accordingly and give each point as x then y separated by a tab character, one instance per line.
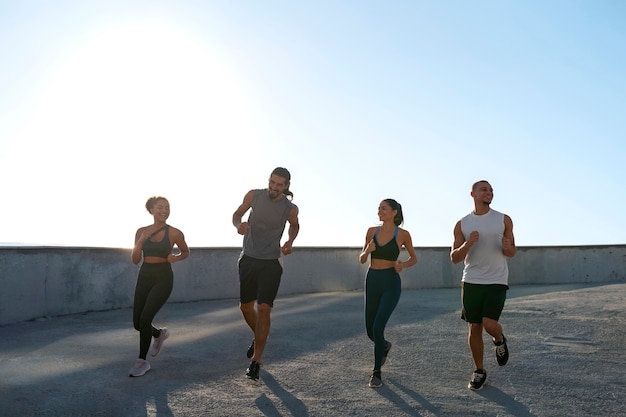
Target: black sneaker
250	352
387	349
502	352
253	370
478	379
375	380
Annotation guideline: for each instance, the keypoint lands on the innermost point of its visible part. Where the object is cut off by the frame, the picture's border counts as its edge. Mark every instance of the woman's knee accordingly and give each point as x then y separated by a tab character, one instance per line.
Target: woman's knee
378	331
137	320
144	323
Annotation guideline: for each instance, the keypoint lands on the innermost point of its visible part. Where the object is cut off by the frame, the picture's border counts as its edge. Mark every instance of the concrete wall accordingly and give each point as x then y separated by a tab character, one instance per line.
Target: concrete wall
54	281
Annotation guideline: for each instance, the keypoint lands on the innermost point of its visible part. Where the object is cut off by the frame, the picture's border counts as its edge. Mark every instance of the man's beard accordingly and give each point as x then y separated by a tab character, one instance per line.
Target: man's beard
272	193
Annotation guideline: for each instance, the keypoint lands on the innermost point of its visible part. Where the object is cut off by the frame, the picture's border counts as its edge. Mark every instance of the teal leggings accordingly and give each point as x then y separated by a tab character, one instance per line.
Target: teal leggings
382	293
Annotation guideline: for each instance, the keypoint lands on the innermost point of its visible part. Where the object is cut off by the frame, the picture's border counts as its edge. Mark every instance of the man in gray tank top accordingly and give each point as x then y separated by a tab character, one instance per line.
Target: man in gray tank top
260	266
484	240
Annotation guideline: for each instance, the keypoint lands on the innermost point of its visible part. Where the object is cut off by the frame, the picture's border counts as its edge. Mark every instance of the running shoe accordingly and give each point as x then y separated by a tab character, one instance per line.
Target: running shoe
502	352
478	379
375	380
387	349
141	367
250	352
158	342
253	370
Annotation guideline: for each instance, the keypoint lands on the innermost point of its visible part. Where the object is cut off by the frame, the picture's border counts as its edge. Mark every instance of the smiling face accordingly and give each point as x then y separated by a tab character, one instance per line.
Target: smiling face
482	193
276	186
385	212
161	210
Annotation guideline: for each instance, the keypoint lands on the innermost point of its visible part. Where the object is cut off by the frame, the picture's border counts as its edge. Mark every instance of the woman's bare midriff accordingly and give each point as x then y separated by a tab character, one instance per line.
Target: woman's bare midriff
154	260
382	264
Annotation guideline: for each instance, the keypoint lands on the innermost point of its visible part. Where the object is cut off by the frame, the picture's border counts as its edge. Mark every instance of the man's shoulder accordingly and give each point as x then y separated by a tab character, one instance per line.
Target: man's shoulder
500	214
286	201
467	216
253	192
257	192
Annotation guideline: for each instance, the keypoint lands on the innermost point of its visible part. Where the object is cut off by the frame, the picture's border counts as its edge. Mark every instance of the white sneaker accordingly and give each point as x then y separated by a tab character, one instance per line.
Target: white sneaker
375	380
158	342
141	367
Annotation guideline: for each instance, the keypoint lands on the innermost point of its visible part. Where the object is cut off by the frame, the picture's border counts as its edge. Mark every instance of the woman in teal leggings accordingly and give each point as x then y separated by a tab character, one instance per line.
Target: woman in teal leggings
382	282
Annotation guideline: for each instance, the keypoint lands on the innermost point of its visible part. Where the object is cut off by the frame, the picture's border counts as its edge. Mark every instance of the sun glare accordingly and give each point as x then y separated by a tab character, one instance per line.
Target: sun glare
129	112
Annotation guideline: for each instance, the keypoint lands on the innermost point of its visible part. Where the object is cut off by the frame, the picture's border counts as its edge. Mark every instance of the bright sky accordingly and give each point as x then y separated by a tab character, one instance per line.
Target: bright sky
106	103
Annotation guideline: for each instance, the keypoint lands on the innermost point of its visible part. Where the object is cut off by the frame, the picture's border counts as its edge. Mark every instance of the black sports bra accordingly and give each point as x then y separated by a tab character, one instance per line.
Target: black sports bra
158	249
389	251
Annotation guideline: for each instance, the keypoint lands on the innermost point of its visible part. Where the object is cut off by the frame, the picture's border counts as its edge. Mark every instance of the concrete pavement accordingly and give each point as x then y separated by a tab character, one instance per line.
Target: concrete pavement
567	346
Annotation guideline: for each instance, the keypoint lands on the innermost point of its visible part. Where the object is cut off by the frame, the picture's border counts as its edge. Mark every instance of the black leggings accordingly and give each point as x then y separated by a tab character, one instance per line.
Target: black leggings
154	286
382	293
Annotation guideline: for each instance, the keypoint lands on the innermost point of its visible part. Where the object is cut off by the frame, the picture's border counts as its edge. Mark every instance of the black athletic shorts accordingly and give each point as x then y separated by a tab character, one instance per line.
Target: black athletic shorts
482	301
259	280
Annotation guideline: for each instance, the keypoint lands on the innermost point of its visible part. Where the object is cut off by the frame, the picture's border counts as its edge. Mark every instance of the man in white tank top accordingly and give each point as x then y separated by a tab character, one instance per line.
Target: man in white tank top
484	240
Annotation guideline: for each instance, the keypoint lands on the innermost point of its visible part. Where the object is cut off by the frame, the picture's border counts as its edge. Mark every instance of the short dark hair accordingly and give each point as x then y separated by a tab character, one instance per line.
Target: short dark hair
476	184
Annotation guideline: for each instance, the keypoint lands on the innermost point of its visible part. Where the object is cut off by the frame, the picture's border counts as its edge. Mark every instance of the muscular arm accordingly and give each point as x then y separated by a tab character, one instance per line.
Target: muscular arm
242	227
294	224
294	228
460	246
508	240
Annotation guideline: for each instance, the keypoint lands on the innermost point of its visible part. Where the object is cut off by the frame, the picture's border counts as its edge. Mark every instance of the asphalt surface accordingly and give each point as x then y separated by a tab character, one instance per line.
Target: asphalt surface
567	345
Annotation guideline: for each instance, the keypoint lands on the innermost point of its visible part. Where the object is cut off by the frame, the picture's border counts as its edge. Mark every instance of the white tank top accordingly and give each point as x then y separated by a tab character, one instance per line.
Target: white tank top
485	263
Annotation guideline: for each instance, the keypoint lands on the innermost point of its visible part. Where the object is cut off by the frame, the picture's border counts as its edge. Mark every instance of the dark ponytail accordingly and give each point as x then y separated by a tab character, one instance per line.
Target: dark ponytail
399	218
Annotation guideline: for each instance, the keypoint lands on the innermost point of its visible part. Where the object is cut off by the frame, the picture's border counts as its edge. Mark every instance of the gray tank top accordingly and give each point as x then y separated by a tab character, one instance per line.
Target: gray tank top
267	223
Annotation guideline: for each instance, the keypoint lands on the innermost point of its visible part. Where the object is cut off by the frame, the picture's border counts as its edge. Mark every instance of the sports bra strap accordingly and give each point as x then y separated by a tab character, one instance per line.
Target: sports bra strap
155	232
395	232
